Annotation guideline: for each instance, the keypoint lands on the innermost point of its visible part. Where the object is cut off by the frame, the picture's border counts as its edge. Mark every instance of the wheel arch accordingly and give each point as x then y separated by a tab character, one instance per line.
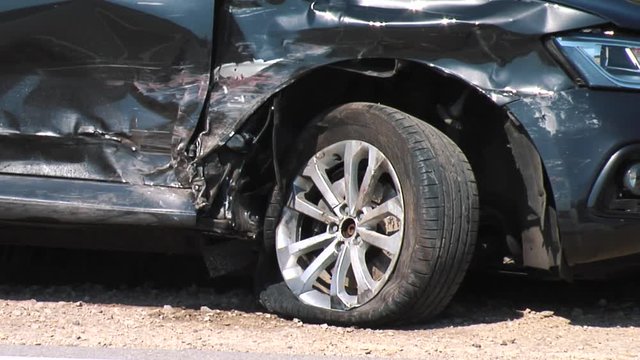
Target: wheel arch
518	208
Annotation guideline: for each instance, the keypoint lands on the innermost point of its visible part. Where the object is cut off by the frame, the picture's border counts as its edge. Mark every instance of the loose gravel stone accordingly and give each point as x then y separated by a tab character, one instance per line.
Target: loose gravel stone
534	334
490	318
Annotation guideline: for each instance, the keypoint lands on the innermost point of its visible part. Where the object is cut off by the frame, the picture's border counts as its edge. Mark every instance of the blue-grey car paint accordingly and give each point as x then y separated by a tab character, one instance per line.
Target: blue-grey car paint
142	93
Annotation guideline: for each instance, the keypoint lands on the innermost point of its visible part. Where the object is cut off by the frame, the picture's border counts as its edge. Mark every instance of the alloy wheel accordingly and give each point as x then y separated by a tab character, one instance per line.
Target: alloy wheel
341	231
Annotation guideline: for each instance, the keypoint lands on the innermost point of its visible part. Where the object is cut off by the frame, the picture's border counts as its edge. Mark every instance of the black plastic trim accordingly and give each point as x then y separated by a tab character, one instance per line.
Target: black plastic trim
608	172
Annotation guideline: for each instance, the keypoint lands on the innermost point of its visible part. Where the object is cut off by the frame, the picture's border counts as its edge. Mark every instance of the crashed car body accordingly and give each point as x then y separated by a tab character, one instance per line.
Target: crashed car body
369	149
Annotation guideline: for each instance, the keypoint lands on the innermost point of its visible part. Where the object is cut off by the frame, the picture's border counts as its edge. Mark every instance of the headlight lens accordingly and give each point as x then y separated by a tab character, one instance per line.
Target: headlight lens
604	60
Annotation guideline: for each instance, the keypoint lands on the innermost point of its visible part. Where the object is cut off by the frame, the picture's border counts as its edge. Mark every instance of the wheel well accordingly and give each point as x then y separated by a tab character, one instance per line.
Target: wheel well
484	131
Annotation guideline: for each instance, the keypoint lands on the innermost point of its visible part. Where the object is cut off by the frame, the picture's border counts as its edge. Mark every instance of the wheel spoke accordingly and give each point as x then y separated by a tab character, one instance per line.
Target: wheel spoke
370	177
317	266
359	265
391	207
338	289
303	206
318	175
310	244
391	243
351	160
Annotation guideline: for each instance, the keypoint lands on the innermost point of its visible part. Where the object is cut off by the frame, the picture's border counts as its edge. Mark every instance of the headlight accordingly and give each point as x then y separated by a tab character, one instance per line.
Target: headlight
604	60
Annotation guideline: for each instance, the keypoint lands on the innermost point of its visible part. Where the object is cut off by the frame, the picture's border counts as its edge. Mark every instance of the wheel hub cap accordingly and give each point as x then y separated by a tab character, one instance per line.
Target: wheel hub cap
348	228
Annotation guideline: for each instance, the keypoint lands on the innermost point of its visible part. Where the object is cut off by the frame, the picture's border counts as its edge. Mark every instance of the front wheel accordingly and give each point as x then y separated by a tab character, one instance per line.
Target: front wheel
377	223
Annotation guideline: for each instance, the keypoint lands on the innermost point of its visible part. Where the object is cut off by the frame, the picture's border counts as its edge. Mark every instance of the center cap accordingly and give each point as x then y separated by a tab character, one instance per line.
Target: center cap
348	228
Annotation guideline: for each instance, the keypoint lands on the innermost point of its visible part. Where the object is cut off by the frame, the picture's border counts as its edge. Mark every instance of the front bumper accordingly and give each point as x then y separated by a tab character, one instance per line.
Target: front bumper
576	133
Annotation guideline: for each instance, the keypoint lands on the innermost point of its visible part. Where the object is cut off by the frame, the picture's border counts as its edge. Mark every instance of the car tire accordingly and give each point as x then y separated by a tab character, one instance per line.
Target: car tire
393	253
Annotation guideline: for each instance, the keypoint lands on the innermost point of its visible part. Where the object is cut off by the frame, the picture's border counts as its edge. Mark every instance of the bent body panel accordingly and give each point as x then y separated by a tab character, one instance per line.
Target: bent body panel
125	79
264	46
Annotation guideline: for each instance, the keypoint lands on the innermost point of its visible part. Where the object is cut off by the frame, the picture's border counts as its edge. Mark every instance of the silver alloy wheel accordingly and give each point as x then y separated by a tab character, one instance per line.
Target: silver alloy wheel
341	233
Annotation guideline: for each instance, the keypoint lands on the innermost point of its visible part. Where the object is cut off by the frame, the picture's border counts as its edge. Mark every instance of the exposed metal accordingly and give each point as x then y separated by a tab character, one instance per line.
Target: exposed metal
342	230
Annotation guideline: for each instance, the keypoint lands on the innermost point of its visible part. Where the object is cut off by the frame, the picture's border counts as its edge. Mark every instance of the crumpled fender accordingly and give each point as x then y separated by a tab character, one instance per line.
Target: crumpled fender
491	44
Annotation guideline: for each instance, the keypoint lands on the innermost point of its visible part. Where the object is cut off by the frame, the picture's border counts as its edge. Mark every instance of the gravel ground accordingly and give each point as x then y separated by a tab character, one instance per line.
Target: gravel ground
492	317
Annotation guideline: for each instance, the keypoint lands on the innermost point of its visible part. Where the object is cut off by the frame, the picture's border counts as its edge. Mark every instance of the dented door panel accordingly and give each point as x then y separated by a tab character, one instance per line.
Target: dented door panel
102	90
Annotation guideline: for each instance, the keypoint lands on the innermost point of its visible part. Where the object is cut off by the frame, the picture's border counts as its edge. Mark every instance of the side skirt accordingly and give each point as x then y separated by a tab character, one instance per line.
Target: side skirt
51	200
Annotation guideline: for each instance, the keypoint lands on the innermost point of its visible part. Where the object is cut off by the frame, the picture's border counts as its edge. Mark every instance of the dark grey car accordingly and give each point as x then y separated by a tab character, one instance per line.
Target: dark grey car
367	150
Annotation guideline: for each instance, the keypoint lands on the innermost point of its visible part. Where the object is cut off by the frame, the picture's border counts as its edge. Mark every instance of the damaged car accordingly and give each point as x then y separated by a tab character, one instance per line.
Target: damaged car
367	152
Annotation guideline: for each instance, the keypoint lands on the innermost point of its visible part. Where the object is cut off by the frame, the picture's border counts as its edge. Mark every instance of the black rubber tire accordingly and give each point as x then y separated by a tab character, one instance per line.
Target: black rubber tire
441	213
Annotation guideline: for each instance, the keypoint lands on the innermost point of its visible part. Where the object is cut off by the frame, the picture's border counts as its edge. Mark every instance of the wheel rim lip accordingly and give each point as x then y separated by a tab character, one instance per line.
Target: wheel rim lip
288	231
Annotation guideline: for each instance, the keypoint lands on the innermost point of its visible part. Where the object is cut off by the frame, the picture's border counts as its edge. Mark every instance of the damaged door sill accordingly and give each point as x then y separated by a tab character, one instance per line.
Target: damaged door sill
50	200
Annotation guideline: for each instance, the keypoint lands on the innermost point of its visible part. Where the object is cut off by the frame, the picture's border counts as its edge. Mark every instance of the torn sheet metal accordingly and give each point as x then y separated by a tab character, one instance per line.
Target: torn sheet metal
493	44
103	90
